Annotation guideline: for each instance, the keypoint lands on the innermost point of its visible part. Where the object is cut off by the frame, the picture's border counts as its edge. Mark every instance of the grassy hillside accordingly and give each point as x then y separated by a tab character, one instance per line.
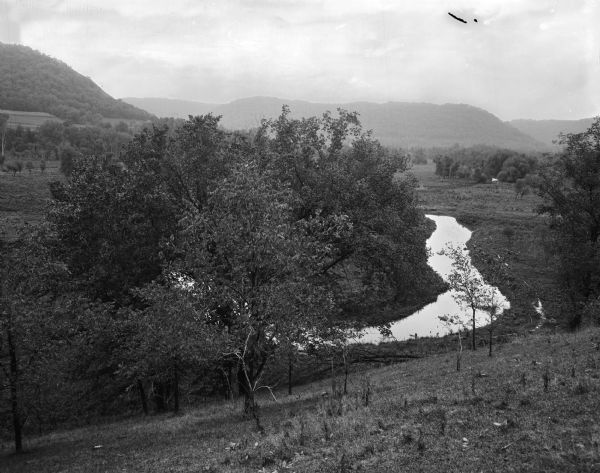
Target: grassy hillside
32	81
532	407
401	124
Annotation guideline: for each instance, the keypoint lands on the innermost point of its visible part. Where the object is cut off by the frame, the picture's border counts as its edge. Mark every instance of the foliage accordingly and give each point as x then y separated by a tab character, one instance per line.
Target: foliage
470	289
482	163
30	334
571	192
336	169
109	224
219	250
257	269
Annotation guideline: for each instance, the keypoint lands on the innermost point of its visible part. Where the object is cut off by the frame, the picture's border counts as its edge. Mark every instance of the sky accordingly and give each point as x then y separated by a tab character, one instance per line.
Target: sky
521	59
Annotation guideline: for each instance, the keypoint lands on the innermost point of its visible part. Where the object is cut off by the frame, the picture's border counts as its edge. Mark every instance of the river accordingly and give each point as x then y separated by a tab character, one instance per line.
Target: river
426	322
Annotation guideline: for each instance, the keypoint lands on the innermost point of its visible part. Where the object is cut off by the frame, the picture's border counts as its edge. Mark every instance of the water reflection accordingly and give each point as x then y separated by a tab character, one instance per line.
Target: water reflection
426	322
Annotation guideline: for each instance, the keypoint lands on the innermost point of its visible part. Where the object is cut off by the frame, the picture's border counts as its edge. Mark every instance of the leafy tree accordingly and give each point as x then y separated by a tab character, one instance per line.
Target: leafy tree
29	278
470	290
521	188
110	223
335	169
419	157
67	160
571	192
259	267
173	334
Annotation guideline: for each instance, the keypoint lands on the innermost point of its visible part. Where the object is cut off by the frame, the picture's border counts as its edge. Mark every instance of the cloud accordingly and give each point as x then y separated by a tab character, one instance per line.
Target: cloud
534	58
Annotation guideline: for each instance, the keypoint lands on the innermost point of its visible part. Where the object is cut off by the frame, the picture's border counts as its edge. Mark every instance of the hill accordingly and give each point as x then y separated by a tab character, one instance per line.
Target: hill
547	131
33	82
402	124
532	407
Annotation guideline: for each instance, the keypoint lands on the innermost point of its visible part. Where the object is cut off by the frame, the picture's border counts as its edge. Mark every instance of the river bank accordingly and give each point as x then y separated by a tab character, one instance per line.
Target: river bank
501	225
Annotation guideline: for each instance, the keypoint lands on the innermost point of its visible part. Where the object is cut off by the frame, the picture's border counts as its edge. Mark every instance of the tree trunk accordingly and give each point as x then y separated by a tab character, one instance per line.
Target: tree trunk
459	353
345	374
333	384
473	335
491	331
159	397
175	389
143	400
290	366
14	392
250	406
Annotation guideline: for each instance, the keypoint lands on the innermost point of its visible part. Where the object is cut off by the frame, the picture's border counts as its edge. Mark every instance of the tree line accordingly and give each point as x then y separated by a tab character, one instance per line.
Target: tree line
482	163
58	141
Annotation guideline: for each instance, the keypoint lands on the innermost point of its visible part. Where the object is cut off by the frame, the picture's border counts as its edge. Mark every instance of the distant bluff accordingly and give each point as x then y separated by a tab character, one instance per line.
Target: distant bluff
403	124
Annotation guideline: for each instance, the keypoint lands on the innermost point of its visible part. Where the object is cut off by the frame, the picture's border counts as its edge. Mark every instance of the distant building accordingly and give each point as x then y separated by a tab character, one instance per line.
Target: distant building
28	120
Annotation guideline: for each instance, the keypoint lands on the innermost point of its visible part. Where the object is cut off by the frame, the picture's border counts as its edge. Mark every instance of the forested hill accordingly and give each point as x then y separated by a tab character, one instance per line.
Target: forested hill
402	124
547	131
32	81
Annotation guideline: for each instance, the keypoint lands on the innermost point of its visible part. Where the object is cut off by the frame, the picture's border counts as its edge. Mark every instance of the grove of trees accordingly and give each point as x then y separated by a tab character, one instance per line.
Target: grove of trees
482	163
197	258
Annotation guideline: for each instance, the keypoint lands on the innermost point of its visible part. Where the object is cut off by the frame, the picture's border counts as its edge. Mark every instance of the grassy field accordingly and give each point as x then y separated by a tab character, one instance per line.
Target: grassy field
23	197
501	224
532	407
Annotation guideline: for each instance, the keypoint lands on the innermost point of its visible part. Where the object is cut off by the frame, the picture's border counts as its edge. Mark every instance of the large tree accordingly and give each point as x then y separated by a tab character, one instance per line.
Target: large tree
571	192
258	269
334	169
30	333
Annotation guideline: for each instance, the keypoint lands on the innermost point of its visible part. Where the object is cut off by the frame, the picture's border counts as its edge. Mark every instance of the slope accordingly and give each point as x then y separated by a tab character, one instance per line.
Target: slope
532	407
31	81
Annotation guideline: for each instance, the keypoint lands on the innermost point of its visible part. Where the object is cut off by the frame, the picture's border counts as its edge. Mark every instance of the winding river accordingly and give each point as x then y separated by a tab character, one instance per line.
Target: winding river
426	322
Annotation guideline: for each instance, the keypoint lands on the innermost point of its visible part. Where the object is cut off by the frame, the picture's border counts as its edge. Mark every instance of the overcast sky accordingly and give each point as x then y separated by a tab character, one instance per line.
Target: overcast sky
521	59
